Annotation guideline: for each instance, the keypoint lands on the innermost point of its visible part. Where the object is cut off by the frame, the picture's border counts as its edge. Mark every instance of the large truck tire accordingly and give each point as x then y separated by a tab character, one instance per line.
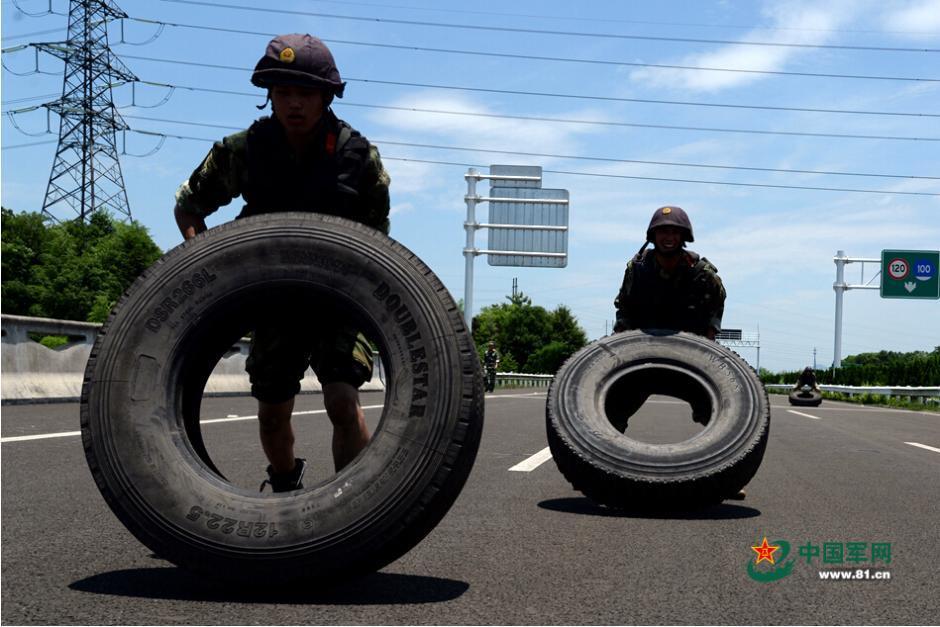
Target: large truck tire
808	398
149	365
597	389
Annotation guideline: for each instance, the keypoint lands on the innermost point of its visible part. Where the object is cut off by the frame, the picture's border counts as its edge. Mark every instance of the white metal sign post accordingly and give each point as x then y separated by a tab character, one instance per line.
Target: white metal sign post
532	229
840	286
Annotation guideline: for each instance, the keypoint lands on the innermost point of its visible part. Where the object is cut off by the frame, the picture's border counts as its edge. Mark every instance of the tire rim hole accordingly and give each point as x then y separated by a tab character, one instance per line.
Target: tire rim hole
219	344
658	405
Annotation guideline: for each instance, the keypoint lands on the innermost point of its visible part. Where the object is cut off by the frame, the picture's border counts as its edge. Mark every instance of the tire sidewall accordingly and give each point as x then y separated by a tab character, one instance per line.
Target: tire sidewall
136	441
578	420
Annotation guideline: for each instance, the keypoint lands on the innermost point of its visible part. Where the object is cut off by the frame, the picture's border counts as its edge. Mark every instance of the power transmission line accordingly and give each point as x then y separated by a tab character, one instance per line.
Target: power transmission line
554	59
638	125
33	34
577	157
49	11
538	93
508	29
568	172
15	146
598	122
636	161
607	20
516	92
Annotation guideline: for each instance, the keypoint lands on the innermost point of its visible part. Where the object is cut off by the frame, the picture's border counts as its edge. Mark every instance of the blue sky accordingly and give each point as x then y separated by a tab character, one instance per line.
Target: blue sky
595	62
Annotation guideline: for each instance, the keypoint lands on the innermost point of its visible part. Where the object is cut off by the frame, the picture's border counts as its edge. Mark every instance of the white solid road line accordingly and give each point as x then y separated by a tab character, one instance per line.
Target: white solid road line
799	413
42	436
919	445
65	434
296	413
229	418
530	464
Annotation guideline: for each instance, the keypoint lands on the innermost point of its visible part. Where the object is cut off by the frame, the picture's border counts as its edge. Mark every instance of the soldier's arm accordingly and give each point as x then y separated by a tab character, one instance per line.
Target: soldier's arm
622	302
717	300
212	185
373	192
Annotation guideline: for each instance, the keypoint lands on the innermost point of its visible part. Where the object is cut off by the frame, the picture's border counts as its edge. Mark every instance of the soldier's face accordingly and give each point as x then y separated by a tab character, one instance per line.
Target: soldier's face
298	109
667	239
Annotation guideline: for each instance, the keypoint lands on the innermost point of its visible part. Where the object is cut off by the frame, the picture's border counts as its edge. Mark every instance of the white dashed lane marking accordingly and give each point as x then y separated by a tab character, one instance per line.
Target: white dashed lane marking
533	462
919	445
799	413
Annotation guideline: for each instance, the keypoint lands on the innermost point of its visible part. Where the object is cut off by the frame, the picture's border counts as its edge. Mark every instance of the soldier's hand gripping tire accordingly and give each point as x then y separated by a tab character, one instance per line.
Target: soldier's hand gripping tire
597	384
150	362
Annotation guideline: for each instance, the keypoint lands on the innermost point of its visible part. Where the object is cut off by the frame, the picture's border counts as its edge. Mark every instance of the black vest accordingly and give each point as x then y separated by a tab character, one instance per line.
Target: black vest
325	180
677	302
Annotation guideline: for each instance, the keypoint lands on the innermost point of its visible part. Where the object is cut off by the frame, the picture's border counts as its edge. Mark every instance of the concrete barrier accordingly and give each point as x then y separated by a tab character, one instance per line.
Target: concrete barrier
33	373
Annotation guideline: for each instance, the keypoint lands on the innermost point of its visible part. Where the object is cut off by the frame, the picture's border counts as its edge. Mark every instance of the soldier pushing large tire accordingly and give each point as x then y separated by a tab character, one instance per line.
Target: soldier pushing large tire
597	389
805	397
148	368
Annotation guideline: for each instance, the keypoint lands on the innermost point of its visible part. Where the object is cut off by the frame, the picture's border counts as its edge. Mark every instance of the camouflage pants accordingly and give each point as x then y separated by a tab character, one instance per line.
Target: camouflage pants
283	345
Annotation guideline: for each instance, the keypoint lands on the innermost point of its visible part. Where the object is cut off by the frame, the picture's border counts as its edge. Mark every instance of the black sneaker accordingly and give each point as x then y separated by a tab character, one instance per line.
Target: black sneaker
286	482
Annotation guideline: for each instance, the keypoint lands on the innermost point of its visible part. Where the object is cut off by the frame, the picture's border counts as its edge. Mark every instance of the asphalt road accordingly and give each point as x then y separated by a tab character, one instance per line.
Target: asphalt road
518	547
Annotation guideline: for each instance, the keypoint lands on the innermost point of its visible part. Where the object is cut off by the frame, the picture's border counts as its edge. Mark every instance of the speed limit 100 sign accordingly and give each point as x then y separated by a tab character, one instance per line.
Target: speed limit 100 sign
910	274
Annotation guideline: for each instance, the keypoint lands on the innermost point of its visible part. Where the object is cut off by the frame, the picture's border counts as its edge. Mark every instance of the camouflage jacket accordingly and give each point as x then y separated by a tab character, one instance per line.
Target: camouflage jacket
490	359
806	378
690	298
341	174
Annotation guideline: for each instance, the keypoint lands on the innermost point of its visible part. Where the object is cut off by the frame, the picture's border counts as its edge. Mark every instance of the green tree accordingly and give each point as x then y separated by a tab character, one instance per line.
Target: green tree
73	270
23	238
528	337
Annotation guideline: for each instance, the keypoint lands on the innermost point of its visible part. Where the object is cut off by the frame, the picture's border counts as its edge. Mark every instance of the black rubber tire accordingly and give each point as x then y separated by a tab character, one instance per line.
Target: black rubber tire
615	470
799	398
148	367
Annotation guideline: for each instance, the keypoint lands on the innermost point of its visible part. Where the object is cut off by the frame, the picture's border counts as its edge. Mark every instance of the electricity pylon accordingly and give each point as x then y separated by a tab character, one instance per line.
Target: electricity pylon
86	172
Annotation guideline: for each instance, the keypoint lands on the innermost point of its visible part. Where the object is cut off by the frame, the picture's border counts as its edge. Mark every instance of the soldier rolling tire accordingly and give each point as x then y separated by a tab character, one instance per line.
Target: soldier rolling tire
805	398
601	382
148	368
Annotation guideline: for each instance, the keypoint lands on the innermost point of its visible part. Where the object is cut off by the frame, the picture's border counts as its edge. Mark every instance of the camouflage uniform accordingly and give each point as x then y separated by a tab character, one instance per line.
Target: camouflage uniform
490	362
807	377
340	174
691	298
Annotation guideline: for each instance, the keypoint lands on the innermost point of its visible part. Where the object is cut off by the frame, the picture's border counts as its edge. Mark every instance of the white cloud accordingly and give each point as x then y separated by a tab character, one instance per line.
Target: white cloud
916	18
400	208
803	22
805	244
407	176
471	127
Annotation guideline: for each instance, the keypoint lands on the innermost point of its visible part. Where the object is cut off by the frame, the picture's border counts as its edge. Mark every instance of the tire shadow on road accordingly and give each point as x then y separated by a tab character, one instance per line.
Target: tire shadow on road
585	506
181	585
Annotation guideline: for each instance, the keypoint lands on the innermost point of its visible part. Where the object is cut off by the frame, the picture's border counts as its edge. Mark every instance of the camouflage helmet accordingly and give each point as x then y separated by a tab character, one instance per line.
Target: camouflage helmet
298	60
671	216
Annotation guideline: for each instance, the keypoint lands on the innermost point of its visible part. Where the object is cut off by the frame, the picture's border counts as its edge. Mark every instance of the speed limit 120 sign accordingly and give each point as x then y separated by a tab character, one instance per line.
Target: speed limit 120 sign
897	268
910	274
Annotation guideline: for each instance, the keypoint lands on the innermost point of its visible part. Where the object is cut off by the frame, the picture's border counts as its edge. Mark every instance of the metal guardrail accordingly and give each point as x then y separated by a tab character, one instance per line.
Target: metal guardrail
520	380
516	379
911	393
